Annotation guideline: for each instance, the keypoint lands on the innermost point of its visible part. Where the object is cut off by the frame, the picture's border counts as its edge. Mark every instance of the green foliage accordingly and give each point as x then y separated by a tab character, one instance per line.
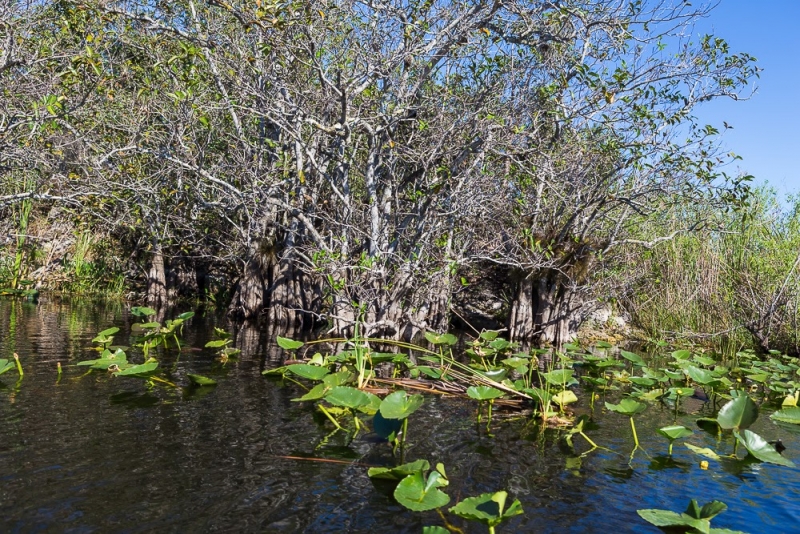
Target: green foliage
695	518
487	508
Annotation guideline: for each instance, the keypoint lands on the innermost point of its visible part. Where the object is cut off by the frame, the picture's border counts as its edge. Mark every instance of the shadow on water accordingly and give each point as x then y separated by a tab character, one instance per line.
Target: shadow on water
95	453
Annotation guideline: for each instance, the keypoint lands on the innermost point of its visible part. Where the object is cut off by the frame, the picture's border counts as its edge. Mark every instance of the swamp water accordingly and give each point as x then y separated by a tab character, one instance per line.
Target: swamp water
96	453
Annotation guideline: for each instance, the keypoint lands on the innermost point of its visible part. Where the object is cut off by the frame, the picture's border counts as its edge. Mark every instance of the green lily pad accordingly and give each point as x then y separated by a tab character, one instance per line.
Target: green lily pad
441	339
435	529
6	365
559	377
702	376
682	354
702	451
107	359
418	494
632	357
288	344
738	413
627	407
200	380
388	429
483	393
138	370
142	311
400	472
400	405
565	397
349	397
790	414
186	315
489	335
311	372
317	392
488	508
105	335
217	343
761	449
675	432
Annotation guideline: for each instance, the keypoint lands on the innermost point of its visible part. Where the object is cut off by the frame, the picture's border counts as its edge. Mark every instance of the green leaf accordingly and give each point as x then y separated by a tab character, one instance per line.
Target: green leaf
436	529
138	370
761	449
787	415
349	397
565	397
632	357
500	344
488	508
489	335
627	407
311	372
288	344
738	413
419	495
702	376
217	343
6	365
603	345
186	315
667	518
675	432
441	339
400	472
142	311
399	405
483	393
200	380
705	451
317	392
558	377
682	354
709	424
106	333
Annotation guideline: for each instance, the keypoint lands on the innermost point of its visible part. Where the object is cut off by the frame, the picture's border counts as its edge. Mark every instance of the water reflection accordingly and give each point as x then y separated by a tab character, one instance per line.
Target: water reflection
105	454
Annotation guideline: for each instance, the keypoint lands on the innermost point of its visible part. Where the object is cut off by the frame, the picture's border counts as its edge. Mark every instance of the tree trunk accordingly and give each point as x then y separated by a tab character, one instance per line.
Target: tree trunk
546	309
250	298
157	280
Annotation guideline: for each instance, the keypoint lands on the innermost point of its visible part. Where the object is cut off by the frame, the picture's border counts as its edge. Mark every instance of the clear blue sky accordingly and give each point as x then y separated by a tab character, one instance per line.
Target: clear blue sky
766	128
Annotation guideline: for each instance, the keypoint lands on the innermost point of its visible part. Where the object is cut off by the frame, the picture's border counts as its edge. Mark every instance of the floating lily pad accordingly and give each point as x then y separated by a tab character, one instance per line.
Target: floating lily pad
200	380
627	407
761	449
138	370
632	357
400	472
311	372
787	415
702	451
488	508
349	397
418	494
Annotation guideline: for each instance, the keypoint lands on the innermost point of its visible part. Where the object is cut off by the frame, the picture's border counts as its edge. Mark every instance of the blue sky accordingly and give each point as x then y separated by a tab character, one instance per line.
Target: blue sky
766	128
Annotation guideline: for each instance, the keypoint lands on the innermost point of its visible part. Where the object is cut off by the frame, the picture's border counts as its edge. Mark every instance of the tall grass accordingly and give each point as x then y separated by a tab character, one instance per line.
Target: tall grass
732	283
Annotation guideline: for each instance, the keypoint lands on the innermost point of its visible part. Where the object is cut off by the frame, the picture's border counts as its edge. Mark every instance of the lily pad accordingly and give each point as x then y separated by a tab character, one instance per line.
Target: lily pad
400	405
349	397
142	311
675	432
488	508
627	407
761	449
787	415
288	344
559	377
138	370
483	393
400	472
311	372
200	380
317	392
632	357
6	365
702	451
738	413
565	397
418	494
441	339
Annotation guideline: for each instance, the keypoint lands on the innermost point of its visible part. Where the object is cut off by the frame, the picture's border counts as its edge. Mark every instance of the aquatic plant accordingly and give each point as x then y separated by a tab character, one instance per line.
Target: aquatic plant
674	432
487	508
630	408
694	519
484	394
